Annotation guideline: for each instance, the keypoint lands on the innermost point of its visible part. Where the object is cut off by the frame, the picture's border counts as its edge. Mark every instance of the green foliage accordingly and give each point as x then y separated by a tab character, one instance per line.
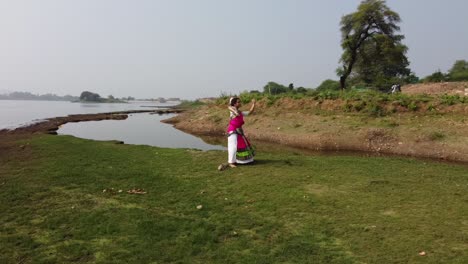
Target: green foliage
437	76
273	88
451	99
431	108
302	90
271	99
375	110
186	104
325	94
459	71
413	106
90	97
372	52
359	99
411	79
247	97
328	85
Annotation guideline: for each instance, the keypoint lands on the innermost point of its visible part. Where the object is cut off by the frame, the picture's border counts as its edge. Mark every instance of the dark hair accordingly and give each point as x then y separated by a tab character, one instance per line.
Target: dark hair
233	100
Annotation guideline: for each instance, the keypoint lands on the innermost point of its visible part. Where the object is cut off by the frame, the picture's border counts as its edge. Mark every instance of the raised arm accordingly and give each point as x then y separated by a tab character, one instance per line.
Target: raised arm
252	108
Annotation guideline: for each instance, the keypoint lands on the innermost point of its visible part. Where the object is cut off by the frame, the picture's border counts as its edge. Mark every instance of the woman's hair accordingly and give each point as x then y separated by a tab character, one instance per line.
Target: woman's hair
233	100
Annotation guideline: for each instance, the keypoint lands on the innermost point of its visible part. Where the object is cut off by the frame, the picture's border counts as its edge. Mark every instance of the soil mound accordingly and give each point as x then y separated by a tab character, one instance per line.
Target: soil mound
460	88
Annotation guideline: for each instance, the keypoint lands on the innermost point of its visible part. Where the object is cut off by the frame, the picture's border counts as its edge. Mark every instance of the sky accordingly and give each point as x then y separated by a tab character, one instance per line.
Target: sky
204	48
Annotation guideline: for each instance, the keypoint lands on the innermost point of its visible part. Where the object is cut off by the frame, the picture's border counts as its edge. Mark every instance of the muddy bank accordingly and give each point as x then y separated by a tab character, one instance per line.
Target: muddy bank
51	125
442	137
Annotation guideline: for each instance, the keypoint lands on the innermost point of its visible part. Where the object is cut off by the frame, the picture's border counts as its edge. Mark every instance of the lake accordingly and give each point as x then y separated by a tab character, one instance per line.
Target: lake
137	129
15	113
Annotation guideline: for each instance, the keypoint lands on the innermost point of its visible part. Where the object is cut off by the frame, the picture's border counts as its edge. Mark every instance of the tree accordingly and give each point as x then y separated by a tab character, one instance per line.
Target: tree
301	90
328	85
459	71
437	76
89	96
412	78
274	88
372	52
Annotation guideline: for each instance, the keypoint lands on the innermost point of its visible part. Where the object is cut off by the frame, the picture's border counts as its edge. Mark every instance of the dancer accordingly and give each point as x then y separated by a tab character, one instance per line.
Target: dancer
240	151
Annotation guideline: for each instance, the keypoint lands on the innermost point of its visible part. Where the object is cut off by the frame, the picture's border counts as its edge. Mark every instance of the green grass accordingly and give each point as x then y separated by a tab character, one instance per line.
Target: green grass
287	208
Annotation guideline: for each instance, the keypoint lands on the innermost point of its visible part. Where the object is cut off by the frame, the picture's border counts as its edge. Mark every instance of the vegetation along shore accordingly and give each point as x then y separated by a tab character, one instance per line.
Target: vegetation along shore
412	123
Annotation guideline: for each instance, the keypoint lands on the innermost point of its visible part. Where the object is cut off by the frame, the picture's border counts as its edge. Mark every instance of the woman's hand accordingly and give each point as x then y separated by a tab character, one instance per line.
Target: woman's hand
253	106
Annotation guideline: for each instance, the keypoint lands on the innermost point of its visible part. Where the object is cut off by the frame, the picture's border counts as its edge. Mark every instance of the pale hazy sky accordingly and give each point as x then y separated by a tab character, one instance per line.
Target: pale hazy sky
201	48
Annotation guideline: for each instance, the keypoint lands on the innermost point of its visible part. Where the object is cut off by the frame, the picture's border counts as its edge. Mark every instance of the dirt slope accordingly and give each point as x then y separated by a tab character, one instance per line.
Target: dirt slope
460	88
308	124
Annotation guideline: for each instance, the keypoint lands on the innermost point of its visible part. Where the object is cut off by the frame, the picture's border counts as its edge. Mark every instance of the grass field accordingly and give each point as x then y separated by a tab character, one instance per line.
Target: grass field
65	200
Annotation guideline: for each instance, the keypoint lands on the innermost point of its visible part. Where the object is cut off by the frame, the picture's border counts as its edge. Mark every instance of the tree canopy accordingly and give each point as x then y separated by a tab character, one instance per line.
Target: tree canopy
328	85
372	51
459	71
274	88
90	97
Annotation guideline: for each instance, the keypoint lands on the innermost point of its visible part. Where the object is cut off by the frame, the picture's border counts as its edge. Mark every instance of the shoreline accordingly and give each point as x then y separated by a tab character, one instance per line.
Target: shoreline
374	142
332	134
51	125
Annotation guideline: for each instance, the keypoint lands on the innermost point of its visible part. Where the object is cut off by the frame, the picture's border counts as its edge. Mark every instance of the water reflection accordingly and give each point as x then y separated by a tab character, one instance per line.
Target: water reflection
139	129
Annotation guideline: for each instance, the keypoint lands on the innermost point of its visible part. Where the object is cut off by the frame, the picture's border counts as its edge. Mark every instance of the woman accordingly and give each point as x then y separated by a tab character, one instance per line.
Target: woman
239	149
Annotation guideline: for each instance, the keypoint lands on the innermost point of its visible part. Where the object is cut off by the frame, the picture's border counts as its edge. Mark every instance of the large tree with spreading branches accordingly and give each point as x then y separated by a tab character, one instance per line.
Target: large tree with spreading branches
372	51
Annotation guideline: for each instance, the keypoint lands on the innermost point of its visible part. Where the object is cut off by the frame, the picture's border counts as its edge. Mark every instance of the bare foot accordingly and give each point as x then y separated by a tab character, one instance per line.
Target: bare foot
232	165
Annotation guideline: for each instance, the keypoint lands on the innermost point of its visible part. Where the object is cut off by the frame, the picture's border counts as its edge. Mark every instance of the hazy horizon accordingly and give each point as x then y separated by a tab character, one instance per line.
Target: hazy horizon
194	49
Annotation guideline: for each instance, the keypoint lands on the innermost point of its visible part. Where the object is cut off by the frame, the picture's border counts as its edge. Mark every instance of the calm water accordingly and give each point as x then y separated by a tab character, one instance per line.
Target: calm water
14	113
139	129
143	129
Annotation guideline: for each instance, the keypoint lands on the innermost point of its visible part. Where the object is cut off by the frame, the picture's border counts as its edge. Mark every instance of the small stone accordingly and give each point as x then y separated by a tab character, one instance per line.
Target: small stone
199	207
422	253
104	190
120	191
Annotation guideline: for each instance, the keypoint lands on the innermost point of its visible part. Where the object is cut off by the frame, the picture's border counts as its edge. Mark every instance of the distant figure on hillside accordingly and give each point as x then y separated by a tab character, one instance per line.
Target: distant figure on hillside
240	151
396	88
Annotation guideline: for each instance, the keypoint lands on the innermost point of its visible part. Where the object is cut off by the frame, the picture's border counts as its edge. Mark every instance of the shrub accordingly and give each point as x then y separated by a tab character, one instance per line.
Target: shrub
431	108
450	99
437	76
413	106
375	110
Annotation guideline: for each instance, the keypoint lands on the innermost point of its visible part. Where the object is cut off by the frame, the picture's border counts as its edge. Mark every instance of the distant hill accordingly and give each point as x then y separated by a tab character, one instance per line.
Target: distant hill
30	96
